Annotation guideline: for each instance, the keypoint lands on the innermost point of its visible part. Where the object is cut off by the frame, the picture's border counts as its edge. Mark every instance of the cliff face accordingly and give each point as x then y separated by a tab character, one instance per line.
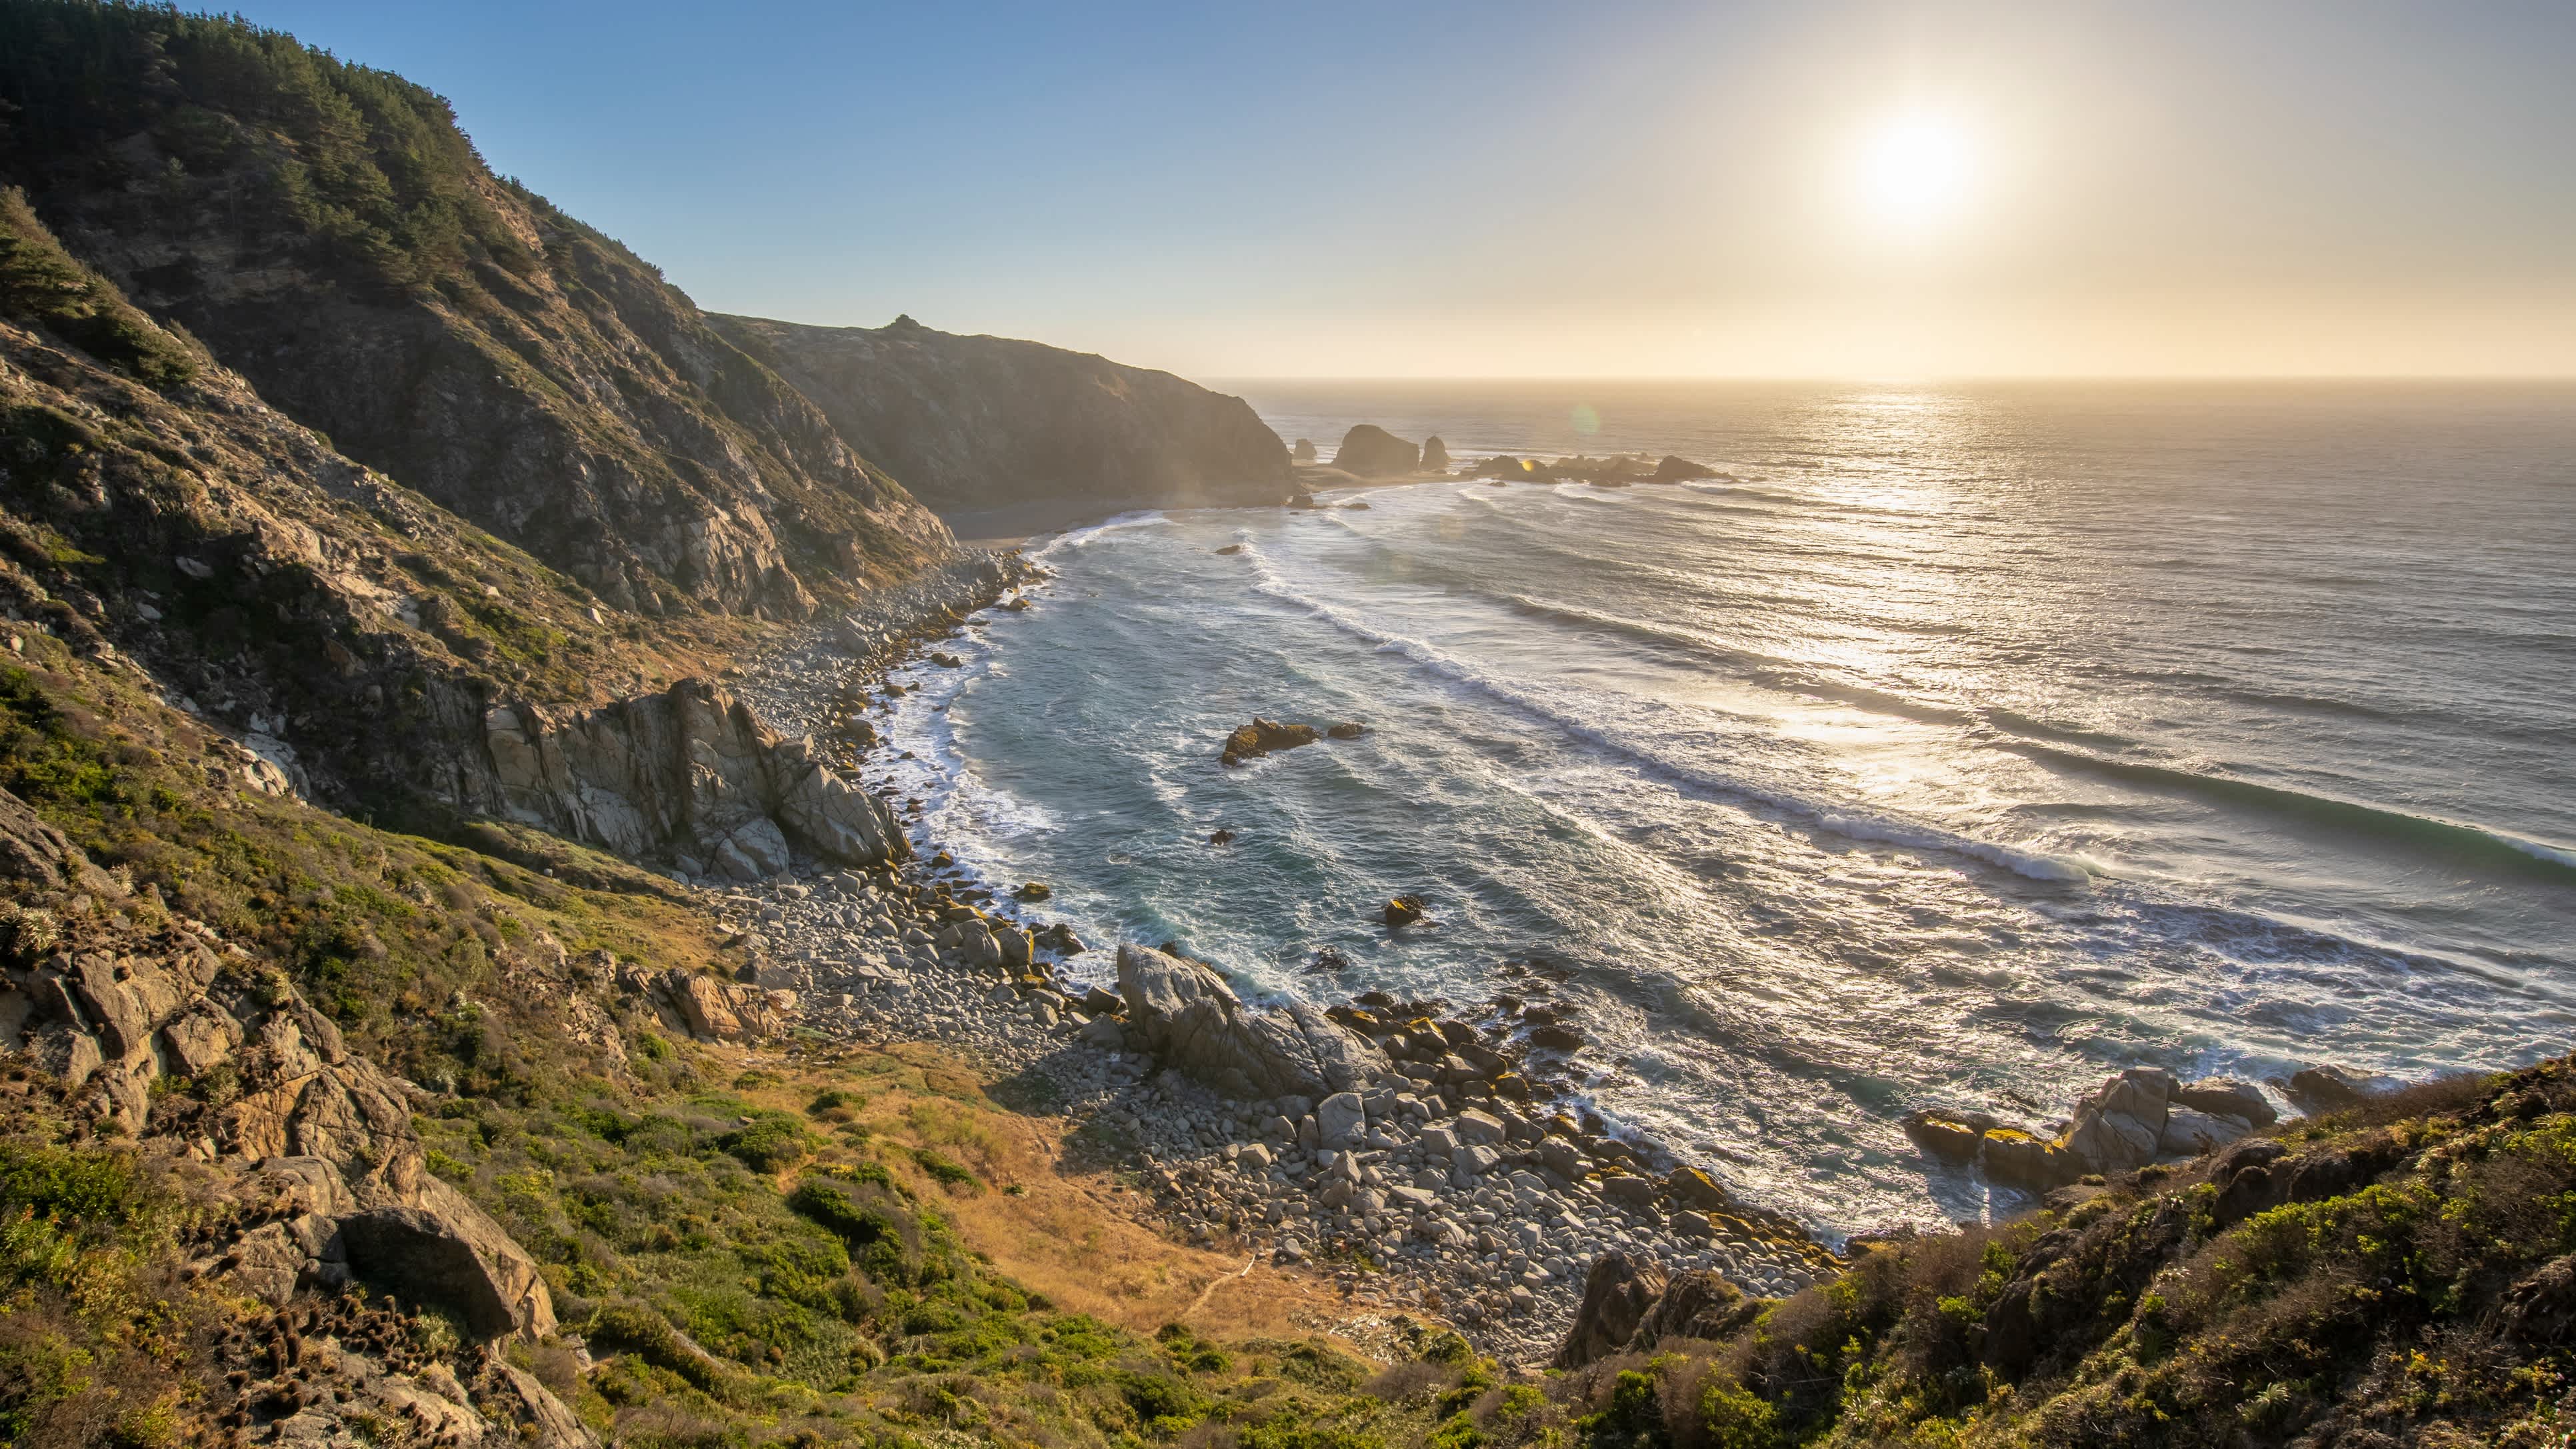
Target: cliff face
973	423
329	233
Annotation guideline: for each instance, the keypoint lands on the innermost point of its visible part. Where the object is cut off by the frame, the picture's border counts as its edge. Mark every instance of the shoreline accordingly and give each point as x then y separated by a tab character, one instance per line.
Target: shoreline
1447	1200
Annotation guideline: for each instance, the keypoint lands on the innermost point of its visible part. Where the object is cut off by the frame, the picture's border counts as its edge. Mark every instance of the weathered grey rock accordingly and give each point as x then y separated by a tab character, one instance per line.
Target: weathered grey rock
688	771
2327	1088
2188	1132
1477	1129
1339	1118
2227	1097
1618	1293
2120	1125
1188	1018
1633	1191
441	1248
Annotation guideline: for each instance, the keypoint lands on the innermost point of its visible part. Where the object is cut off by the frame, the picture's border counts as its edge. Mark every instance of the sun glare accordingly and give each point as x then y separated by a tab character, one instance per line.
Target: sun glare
1916	172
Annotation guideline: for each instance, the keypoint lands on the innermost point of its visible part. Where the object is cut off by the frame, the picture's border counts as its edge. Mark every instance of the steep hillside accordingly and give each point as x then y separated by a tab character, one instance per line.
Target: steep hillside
2402	1271
328	232
973	423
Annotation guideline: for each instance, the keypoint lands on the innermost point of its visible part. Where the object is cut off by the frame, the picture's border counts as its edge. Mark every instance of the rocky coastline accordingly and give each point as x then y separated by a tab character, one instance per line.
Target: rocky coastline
1397	1147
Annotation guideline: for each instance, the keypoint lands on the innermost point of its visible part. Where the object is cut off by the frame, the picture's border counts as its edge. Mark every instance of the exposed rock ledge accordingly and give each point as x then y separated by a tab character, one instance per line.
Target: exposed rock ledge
688	777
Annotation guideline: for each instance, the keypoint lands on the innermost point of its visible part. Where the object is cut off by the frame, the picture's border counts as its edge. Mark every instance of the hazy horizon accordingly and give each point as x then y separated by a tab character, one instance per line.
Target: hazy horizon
1755	191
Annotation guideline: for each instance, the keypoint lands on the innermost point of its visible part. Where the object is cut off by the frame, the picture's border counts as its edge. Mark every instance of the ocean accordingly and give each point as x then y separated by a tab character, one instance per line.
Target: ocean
1958	746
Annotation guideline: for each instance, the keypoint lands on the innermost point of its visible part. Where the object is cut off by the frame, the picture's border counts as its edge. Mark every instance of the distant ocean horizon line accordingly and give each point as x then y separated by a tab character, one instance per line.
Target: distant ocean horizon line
1831	380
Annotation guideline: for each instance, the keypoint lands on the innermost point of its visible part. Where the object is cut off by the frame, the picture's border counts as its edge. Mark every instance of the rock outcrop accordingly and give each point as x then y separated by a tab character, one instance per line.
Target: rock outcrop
1188	1018
974	423
1303	452
449	329
317	1133
1630	1305
688	777
1435	455
1262	736
2140	1116
1372	452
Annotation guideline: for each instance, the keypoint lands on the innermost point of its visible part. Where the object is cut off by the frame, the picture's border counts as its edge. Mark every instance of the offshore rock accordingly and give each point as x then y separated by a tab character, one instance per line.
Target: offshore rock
1372	452
1435	455
1304	452
1259	738
1187	1017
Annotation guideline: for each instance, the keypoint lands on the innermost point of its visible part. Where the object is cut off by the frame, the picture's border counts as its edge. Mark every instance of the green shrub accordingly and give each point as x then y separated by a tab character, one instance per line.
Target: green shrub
946	1172
772	1142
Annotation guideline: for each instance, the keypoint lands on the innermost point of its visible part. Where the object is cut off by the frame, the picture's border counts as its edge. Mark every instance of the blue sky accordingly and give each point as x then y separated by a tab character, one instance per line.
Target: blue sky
1231	190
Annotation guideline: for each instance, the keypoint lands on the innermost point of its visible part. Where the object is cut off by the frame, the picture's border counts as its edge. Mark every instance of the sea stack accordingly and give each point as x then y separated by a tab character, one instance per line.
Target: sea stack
1304	452
1435	455
1372	452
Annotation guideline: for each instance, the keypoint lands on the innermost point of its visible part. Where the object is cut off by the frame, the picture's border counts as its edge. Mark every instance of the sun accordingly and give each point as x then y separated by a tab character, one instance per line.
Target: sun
1916	172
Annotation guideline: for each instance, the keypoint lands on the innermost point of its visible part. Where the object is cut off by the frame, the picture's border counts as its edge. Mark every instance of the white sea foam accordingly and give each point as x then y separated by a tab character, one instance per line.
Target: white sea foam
1079	537
1522	696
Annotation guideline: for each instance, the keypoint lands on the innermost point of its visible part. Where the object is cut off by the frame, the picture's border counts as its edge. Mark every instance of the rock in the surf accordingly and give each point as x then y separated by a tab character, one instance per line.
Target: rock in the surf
1372	452
1304	452
1435	455
1406	910
1259	738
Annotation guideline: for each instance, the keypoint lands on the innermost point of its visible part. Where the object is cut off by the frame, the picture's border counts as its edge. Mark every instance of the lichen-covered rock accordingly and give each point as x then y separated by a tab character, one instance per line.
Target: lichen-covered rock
1187	1016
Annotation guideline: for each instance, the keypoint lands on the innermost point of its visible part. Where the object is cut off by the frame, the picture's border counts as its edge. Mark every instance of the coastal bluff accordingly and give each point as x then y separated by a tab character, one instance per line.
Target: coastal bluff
978	423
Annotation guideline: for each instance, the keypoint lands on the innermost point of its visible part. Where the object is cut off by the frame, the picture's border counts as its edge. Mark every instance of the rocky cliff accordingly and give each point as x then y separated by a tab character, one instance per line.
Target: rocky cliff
328	232
972	423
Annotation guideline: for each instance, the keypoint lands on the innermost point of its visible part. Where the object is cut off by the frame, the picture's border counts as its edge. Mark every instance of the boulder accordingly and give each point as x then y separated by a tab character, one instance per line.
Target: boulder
1618	1293
1404	910
1435	455
1339	1118
2227	1097
1632	1191
1372	452
1304	452
2320	1089
1562	1158
1187	1017
1347	730
1693	1188
1952	1136
2189	1132
2017	1159
1478	1129
2120	1125
440	1248
1673	470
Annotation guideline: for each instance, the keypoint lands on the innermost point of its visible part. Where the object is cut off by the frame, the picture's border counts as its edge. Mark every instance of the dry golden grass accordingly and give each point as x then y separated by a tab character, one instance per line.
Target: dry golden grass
1075	1234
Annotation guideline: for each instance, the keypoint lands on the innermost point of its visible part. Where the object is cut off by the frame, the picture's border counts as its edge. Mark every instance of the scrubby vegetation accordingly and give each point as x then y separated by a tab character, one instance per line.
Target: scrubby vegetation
2416	1288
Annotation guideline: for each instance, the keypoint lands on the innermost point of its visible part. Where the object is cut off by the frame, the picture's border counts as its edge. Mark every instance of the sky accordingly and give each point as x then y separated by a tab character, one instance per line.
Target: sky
2296	187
